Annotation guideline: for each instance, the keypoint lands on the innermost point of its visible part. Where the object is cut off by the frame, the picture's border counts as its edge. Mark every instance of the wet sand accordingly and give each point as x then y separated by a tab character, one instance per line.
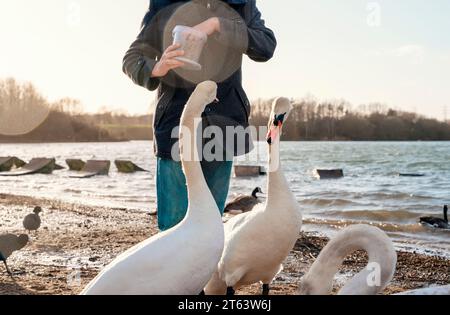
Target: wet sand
76	241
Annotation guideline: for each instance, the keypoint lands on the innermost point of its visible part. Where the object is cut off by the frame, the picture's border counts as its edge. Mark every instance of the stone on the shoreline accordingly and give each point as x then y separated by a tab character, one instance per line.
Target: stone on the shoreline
7	163
35	166
93	168
128	167
75	164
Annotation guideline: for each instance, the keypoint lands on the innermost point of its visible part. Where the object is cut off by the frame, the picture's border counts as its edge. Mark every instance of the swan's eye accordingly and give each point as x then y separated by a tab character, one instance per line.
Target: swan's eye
275	122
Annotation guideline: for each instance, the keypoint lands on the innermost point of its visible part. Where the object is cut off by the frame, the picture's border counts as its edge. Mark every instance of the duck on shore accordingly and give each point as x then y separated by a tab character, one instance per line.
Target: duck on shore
32	222
435	222
243	204
9	243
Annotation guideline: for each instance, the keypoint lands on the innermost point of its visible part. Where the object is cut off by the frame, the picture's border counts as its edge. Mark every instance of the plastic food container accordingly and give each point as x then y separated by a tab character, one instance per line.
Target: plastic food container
192	42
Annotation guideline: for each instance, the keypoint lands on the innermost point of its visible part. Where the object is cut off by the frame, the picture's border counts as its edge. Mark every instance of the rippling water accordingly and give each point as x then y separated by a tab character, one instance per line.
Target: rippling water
371	191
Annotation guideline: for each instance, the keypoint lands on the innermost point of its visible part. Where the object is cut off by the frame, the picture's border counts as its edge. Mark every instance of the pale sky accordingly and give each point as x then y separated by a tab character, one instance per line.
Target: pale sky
391	51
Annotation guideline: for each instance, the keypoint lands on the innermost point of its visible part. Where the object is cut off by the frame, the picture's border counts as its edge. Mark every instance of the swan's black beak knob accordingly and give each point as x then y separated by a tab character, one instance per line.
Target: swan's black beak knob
276	127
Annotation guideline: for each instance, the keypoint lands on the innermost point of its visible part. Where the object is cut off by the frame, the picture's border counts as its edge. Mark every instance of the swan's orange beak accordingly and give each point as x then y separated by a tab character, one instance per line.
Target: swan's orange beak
273	133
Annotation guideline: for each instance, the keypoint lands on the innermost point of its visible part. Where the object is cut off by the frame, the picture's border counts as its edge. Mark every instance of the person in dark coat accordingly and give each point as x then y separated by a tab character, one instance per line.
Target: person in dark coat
234	28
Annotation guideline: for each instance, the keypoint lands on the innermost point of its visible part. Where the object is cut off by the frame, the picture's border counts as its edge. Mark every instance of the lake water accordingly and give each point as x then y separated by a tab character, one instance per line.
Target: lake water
371	191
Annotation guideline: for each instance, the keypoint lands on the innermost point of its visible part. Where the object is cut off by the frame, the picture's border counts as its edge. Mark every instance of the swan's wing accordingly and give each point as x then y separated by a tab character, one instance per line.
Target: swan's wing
237	222
240	231
163	264
127	266
240	244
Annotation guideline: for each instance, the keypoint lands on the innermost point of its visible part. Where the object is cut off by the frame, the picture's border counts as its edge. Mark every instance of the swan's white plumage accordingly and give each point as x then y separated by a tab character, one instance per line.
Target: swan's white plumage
181	260
319	278
257	242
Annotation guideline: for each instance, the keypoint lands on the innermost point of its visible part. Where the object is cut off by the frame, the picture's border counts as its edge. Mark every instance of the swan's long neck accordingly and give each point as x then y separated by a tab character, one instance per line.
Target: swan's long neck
201	203
373	279
445	215
277	186
194	175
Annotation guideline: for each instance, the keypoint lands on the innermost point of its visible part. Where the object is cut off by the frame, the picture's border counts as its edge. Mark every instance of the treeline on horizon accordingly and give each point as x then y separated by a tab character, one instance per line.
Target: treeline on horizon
64	121
310	120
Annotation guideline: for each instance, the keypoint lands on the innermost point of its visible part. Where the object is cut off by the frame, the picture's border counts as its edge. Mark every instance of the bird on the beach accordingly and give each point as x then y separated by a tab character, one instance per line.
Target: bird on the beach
10	243
179	261
438	223
243	204
257	242
32	222
370	281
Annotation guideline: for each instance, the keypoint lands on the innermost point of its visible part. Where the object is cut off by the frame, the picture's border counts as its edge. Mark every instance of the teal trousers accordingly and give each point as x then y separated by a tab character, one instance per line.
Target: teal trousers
172	197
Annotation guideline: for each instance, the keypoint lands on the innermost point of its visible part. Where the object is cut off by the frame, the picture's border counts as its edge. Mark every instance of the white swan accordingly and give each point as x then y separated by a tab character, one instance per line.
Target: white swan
372	280
443	290
181	260
257	242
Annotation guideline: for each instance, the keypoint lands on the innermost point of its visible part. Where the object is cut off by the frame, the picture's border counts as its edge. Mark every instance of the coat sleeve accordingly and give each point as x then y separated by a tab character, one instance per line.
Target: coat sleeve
142	56
254	39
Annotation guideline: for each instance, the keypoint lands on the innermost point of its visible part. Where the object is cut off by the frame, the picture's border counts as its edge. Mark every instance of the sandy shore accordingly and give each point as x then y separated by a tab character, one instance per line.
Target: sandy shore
75	241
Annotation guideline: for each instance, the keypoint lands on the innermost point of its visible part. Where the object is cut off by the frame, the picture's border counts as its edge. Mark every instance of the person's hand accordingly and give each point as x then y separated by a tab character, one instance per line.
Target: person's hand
209	26
168	61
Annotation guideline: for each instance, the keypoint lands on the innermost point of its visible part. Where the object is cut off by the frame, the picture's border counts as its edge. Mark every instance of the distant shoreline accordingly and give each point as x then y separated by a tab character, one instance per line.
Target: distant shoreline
309	120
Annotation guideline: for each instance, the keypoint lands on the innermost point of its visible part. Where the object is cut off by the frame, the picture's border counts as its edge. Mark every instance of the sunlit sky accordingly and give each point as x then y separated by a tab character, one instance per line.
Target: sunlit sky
391	51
